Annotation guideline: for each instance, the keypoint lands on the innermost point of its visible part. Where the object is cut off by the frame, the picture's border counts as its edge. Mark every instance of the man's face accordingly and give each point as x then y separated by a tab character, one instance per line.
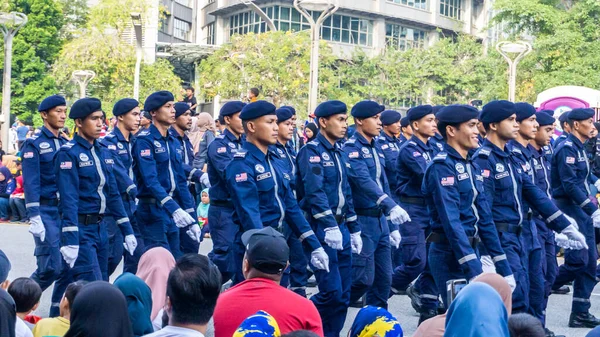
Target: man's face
184	121
528	127
335	126
130	120
91	126
145	122
189	92
165	115
544	134
426	126
55	117
508	129
585	127
466	134
481	128
235	123
393	128
265	129
407	132
371	126
286	129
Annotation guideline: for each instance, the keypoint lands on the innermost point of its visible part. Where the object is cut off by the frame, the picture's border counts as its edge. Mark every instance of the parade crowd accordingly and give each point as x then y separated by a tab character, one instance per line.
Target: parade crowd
463	210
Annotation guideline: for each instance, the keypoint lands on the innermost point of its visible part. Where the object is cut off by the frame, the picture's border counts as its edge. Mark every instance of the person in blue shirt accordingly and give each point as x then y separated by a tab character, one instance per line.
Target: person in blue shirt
570	172
260	187
88	190
460	212
22	131
506	187
373	203
118	142
326	198
405	129
436	141
563	120
165	203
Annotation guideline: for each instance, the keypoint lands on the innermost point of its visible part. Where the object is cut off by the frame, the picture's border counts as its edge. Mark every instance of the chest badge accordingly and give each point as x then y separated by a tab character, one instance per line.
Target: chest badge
460	168
83	157
259	168
499	167
325	156
120	145
157	143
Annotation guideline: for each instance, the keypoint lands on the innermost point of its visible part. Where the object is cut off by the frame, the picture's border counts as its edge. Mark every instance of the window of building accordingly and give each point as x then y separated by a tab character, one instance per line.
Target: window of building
186	3
181	29
451	8
403	38
420	4
347	29
210	34
164	24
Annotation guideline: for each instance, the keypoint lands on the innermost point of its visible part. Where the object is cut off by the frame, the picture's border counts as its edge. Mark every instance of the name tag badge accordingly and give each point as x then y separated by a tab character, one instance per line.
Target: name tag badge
501	175
263	176
463	176
159	150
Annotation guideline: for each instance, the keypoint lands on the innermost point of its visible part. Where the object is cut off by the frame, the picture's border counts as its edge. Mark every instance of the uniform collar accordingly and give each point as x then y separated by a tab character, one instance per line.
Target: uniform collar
391	139
535	153
403	138
117	132
155	133
524	149
255	151
363	140
438	137
83	142
175	134
327	144
230	136
498	151
575	140
419	143
48	133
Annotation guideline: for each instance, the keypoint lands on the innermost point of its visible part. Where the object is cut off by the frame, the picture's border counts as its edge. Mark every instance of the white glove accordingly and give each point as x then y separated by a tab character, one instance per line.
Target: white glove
487	264
70	254
572	221
36	227
597	184
578	240
399	215
319	259
395	238
182	218
356	243
130	243
563	241
204	180
194	232
333	238
510	279
596	218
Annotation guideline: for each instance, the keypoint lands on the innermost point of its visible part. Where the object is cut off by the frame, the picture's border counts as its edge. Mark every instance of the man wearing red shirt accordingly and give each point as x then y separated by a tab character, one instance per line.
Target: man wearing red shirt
266	258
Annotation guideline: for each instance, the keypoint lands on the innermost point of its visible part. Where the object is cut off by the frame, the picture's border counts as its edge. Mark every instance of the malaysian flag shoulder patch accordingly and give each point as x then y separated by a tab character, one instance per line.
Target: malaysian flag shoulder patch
447	181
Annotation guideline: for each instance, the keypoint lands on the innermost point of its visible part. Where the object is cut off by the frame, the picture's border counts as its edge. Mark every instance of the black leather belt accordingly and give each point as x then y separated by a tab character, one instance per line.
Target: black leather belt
148	201
437	237
372	212
125	196
340	219
508	228
89	219
48	202
414	201
220	203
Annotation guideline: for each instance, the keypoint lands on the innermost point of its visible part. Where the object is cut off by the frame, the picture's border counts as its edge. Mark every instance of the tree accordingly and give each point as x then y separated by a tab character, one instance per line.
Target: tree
76	13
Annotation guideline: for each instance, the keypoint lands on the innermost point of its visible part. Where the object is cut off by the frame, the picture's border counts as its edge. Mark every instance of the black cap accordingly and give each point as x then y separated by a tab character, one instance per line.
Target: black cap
266	250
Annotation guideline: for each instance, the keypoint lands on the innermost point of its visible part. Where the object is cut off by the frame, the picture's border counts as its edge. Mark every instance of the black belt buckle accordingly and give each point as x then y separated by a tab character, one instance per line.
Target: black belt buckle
370	212
89	219
509	228
340	219
220	203
413	200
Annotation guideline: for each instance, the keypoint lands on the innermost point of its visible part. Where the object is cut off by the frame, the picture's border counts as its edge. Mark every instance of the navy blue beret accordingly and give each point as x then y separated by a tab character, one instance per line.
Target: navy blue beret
524	111
366	109
124	106
437	108
331	108
180	108
389	117
52	102
457	113
85	107
404	122
283	114
564	117
290	108
231	108
257	109
146	115
419	112
158	99
547	111
544	119
580	114
497	111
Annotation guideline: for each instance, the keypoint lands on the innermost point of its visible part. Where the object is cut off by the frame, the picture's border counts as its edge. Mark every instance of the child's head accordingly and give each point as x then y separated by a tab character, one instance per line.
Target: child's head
205	199
67	300
26	293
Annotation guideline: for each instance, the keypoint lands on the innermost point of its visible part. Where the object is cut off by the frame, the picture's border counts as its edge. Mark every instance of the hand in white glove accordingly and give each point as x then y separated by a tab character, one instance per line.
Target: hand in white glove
333	238
319	259
398	215
578	240
597	184
130	243
182	218
356	243
510	279
204	180
194	232
70	254
36	227
487	264
572	221
563	241
596	218
395	238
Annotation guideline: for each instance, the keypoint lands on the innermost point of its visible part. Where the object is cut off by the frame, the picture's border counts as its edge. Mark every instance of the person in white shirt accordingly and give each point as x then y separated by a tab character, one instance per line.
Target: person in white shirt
26	293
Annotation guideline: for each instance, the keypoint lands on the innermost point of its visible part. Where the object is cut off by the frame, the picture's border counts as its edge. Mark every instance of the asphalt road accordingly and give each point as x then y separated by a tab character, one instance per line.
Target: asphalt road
18	245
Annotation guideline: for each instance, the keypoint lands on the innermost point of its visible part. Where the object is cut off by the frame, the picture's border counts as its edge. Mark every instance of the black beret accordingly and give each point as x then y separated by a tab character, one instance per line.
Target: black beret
157	99
366	109
331	108
564	117
456	114
544	119
419	112
497	111
437	108
290	108
580	114
389	117
52	102
404	122
124	106
180	108
547	111
257	109
231	108
85	107
524	111
283	114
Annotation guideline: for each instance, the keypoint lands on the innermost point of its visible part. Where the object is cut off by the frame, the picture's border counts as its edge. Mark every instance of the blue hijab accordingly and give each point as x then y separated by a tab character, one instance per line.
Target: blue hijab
477	311
139	302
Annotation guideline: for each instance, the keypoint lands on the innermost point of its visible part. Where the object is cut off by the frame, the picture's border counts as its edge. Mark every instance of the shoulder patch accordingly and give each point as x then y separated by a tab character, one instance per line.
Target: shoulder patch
143	133
440	157
351	141
515	150
313	142
220	137
68	145
412	143
483	152
568	143
240	154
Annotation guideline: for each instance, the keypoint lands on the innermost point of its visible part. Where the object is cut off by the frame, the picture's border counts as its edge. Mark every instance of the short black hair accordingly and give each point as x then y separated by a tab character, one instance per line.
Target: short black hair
442	129
26	293
193	287
525	325
72	291
300	333
255	91
190	88
570	122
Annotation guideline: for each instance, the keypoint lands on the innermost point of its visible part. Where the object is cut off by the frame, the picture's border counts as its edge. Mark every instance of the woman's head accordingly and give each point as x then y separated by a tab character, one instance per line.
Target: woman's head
154	268
67	301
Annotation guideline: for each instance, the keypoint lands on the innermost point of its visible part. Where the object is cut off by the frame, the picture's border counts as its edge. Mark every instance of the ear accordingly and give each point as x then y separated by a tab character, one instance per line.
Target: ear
450	131
251	127
79	123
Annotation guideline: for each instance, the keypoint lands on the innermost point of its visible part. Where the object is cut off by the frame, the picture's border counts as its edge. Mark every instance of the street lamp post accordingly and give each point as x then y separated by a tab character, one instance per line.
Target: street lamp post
136	19
83	77
508	50
261	13
10	23
327	8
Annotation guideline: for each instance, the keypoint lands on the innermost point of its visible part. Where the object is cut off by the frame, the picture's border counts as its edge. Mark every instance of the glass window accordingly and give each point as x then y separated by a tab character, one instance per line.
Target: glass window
210	34
181	29
397	36
451	9
420	4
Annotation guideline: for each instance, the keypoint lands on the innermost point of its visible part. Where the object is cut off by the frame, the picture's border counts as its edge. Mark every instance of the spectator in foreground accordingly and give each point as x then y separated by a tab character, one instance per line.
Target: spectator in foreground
99	310
26	293
8	315
192	291
17	202
139	302
477	311
202	212
372	321
260	324
58	326
7	185
594	333
525	325
266	258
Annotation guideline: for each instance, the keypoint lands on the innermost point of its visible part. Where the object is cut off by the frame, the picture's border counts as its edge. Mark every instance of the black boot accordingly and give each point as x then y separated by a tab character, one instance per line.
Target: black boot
583	320
427	314
550	333
562	290
415	298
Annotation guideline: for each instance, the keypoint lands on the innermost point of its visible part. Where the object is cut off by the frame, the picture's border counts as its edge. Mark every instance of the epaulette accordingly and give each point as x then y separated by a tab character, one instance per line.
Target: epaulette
350	141
412	143
483	152
240	154
440	157
68	145
568	143
34	137
143	133
515	150
220	137
314	143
